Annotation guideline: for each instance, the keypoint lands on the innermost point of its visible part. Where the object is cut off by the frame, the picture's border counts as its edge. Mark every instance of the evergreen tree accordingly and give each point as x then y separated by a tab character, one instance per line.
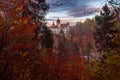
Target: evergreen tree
44	36
106	30
62	43
38	10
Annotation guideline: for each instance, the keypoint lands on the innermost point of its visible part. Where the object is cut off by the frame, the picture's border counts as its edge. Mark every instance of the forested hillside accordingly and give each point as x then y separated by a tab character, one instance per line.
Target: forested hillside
30	50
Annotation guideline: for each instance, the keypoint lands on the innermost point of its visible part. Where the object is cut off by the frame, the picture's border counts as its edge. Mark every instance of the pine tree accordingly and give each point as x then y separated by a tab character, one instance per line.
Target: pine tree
106	30
38	10
107	37
62	43
44	36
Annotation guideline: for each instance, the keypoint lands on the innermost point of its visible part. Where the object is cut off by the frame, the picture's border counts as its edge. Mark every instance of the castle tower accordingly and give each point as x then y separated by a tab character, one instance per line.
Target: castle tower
58	22
53	24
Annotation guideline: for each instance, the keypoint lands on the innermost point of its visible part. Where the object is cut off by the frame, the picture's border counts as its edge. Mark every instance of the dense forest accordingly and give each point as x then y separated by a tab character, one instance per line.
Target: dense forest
30	51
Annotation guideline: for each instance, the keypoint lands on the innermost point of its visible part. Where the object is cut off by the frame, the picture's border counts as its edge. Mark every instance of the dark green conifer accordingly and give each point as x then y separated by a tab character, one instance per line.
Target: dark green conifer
106	30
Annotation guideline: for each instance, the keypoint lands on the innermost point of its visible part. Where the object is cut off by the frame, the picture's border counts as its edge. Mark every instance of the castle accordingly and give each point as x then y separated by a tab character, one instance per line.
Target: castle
58	27
59	31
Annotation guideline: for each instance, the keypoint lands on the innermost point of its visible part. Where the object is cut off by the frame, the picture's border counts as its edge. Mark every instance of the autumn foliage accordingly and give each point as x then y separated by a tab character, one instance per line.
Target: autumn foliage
20	58
29	66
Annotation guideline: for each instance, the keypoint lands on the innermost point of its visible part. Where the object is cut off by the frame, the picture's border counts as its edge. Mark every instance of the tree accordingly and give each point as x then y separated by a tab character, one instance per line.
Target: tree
13	31
10	19
7	13
111	65
106	30
38	10
114	2
45	37
62	44
108	42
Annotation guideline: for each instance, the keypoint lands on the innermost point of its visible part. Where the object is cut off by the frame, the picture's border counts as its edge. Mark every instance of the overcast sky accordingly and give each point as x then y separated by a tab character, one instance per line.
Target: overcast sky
73	10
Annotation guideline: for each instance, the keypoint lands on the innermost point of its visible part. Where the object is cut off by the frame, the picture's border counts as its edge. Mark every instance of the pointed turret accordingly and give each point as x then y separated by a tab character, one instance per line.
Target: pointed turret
53	24
58	21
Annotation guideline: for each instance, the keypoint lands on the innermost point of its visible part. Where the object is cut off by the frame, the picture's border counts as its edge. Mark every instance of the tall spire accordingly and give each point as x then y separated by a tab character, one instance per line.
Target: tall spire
58	21
53	24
